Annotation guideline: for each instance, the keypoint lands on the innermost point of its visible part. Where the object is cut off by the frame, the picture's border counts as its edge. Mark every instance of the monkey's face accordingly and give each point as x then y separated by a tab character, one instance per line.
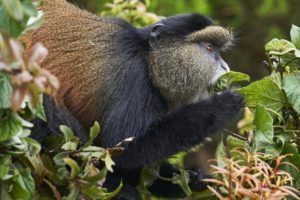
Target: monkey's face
184	69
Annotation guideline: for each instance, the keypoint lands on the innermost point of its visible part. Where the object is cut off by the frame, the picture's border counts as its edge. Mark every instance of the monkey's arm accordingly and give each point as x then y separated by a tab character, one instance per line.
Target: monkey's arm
181	129
56	116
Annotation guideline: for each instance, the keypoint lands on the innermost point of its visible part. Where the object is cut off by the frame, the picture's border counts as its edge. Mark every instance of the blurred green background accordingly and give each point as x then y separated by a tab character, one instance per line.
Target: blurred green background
254	21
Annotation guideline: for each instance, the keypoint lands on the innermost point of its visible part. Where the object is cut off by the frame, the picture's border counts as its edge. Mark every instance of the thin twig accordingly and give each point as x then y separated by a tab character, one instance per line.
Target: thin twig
234	134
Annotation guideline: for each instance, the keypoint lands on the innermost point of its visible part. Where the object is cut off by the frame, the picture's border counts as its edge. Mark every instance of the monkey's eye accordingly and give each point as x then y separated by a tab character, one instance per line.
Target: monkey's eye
210	48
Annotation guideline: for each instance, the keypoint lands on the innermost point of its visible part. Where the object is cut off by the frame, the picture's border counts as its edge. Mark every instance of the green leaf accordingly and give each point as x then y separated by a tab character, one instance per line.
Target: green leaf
221	154
279	47
100	175
53	189
93	192
291	86
182	179
75	169
69	146
7	24
284	137
62	173
53	142
108	162
263	121
295	36
68	133
227	79
37	165
295	160
265	92
24	185
35	22
177	159
205	194
39	110
5	161
233	142
5	91
59	158
70	139
33	146
29	8
94	132
110	195
293	150
148	175
14	9
10	126
74	192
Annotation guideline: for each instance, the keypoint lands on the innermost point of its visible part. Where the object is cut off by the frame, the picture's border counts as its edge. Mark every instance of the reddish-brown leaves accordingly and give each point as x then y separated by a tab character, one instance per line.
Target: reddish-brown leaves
27	76
252	177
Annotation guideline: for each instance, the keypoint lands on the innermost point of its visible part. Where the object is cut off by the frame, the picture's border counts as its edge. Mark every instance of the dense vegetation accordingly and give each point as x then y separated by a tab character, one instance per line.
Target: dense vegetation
259	161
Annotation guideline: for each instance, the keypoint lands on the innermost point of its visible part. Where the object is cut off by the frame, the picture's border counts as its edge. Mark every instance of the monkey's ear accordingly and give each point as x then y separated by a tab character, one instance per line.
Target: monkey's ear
155	32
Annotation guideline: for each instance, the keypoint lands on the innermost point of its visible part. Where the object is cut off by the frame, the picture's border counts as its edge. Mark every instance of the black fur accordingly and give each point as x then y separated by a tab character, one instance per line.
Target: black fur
136	109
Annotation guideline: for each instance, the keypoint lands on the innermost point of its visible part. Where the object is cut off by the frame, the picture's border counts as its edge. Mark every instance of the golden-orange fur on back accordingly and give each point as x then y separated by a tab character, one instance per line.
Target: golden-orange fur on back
79	45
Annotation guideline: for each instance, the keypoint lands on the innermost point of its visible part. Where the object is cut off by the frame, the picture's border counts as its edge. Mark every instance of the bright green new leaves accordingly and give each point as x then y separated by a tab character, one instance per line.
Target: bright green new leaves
279	47
265	92
291	86
263	121
227	79
5	91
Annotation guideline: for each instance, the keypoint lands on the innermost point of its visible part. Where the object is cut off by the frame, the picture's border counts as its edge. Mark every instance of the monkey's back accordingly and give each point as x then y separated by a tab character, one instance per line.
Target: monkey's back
81	51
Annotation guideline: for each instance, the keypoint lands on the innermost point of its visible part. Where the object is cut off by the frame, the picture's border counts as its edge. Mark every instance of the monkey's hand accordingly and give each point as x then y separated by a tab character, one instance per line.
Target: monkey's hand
227	104
196	176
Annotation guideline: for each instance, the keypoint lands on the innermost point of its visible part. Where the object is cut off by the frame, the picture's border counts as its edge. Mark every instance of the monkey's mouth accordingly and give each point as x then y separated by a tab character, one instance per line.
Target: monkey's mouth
212	86
214	89
210	89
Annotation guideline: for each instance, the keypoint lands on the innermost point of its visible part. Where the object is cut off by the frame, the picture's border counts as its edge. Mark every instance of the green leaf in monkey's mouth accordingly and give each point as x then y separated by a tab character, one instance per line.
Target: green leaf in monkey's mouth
228	80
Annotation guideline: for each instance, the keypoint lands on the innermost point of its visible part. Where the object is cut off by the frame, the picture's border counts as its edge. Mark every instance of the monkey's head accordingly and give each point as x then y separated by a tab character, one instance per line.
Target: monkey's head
185	60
